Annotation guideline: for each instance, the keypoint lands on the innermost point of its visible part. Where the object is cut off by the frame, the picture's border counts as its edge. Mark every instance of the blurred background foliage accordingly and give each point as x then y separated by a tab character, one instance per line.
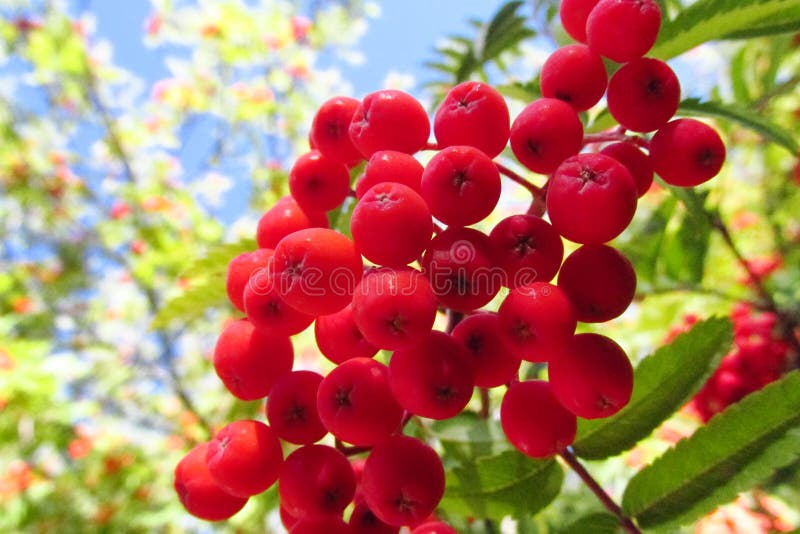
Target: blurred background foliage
113	250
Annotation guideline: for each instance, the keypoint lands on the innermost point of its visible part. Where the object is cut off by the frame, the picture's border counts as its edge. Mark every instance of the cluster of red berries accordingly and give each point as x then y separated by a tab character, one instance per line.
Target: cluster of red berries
305	272
759	356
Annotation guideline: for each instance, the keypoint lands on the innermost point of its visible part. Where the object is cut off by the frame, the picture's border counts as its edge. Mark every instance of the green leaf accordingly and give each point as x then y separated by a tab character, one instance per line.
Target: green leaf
505	484
467	436
662	383
708	20
596	523
524	92
787	21
685	251
215	262
191	304
745	117
736	450
642	244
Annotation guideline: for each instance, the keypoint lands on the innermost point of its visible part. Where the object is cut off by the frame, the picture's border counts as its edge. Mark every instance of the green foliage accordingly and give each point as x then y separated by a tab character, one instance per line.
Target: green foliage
663	382
709	20
736	450
597	523
747	118
462	57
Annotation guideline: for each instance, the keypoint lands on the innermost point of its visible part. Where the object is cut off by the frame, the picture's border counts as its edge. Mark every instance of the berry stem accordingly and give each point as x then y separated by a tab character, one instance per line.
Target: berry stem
352	450
485	403
625	522
535	191
615	136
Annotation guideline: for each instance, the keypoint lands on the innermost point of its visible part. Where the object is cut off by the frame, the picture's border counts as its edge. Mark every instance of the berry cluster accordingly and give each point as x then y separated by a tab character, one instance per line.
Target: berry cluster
759	356
417	269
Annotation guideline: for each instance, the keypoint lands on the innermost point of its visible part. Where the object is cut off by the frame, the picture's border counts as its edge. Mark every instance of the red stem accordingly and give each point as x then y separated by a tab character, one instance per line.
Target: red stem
535	191
615	135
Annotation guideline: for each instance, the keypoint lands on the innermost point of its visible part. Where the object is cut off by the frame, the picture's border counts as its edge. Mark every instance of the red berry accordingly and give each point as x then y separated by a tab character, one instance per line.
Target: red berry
536	320
460	264
636	161
623	30
355	403
318	183
244	458
591	198
363	521
339	338
248	361
403	481
316	270
316	483
528	249
266	309
573	17
329	525
576	75
390	166
433	378
394	308
461	185
492	363
199	493
592	377
474	114
329	130
284	218
391	224
534	421
292	408
644	94
287	520
545	133
389	120
239	270
599	281
687	152
434	527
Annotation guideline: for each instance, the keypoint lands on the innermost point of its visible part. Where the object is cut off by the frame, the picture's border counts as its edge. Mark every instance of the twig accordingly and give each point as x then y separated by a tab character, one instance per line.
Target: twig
615	136
534	190
485	403
352	450
625	522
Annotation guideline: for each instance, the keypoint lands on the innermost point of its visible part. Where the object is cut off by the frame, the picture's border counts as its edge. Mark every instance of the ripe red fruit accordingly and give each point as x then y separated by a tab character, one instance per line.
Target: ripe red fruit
339	339
433	378
391	225
292	408
623	30
599	281
573	17
492	363
199	493
545	133
266	309
576	75
389	120
403	481
592	377
239	270
434	527
364	521
328	525
475	114
390	166
329	130
528	249
591	198
687	152
318	183
284	218
394	308
533	420
644	94
636	161
244	458
460	264
461	185
316	270
355	403
536	320
316	483
248	361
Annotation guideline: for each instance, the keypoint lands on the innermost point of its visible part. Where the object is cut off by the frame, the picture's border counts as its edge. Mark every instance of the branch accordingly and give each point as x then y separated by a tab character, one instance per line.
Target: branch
534	190
625	522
